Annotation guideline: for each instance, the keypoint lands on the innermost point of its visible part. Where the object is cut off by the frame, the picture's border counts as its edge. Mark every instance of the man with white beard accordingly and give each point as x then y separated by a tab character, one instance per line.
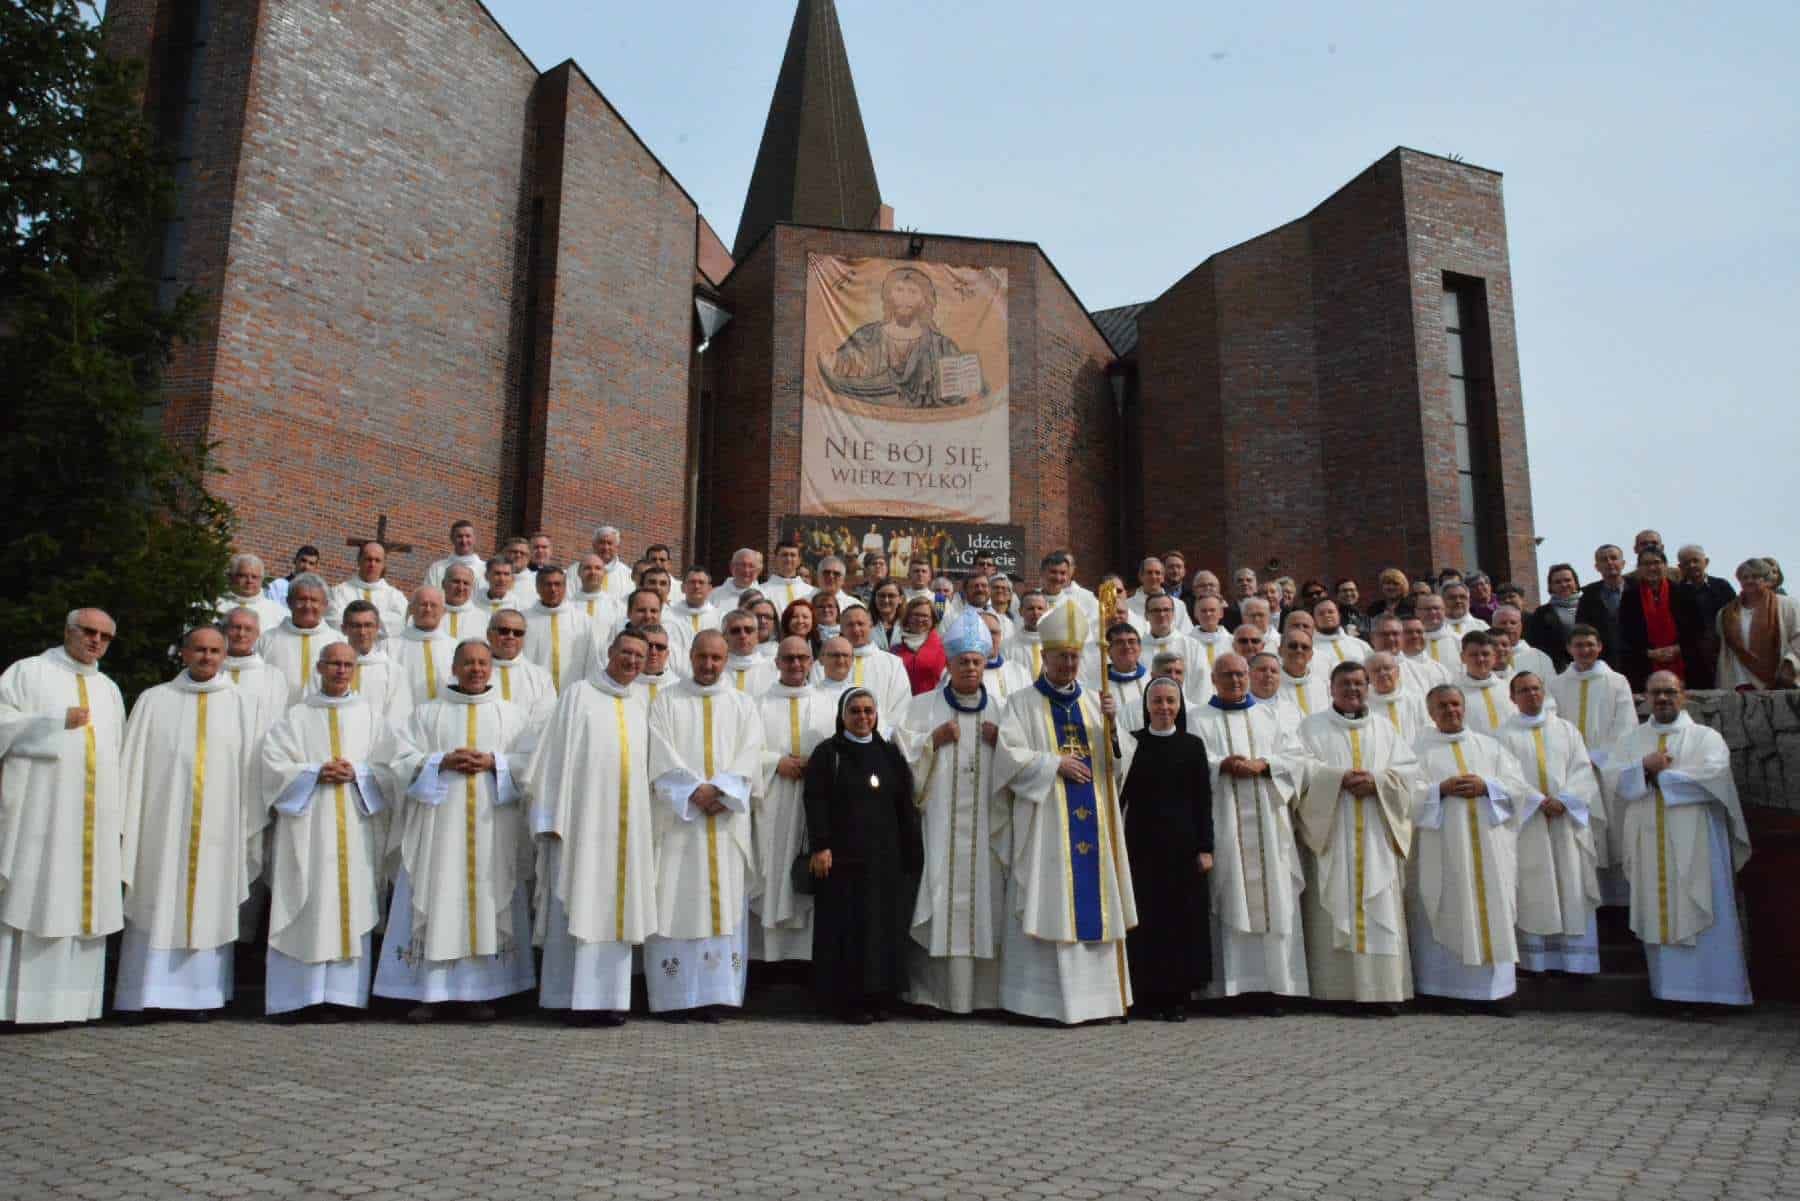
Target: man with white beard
796	717
589	782
459	928
462	550
62	727
265	687
1256	879
1685	840
1391	701
192	833
369	584
1559	890
1462	898
422	652
245	577
948	737
319	764
706	748
292	647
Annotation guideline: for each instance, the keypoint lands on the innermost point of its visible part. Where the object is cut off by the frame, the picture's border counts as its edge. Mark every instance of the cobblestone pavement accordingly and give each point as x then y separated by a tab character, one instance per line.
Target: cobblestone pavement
1589	1106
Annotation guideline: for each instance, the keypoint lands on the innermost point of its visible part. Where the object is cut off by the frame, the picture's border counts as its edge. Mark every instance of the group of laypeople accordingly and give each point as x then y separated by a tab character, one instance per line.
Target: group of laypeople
596	794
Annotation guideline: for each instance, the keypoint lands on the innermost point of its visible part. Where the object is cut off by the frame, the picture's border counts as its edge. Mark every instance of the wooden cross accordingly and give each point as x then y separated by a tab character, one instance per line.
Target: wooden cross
381	536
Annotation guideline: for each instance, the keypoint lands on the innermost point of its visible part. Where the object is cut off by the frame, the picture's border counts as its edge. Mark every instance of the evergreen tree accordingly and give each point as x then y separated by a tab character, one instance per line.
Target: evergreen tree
100	509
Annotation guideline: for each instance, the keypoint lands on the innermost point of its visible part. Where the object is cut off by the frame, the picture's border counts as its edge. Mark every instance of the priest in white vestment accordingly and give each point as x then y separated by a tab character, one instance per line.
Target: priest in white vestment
62	725
1486	702
244	577
422	652
1057	576
1520	655
1002	676
192	833
1301	622
745	670
1355	801
320	776
746	576
1422	671
462	616
369	584
1303	693
706	743
605	612
520	682
1390	700
1559	890
1069	902
881	672
559	637
1125	676
796	718
1443	645
1209	639
500	589
1027	644
459	927
266	687
1331	642
589	784
948	737
1685	841
1597	700
693	610
1462	893
1161	636
292	647
784	585
615	578
1256	881
376	677
658	672
462	550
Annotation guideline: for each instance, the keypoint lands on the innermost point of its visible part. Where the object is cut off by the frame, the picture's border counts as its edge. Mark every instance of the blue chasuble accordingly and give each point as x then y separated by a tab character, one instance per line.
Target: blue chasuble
1081	811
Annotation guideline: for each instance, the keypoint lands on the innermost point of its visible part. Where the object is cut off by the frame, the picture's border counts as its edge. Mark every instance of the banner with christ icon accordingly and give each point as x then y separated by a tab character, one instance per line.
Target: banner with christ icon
905	390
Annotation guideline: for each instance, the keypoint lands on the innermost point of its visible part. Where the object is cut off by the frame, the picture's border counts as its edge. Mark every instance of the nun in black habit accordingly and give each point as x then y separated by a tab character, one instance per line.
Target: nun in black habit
863	834
1167	802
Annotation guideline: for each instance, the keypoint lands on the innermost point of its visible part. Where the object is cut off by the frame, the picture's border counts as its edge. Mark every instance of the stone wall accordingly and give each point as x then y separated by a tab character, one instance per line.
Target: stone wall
1763	731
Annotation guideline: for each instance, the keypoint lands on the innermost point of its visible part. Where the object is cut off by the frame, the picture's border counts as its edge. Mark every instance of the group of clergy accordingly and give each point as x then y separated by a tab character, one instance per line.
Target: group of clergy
618	780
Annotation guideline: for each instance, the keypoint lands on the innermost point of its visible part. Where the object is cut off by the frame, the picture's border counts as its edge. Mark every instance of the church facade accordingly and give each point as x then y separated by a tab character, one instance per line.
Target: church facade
442	284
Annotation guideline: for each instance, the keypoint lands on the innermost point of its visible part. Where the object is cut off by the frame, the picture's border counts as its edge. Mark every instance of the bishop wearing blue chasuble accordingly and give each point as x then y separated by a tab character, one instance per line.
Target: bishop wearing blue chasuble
1068	898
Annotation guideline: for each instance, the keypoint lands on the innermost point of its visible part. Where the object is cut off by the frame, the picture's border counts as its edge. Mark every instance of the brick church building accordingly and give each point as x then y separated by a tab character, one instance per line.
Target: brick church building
441	283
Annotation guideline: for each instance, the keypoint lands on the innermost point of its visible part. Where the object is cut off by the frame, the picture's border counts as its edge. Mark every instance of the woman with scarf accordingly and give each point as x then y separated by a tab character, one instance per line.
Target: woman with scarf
1659	622
1759	633
1549	624
919	646
863	834
1167	801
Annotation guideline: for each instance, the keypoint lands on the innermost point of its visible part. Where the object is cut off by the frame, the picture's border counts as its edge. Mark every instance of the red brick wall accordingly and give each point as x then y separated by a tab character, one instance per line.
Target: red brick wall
1060	493
1296	385
616	434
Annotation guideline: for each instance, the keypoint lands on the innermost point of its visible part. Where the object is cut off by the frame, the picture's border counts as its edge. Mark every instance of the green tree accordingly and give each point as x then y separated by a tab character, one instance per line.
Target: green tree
99	508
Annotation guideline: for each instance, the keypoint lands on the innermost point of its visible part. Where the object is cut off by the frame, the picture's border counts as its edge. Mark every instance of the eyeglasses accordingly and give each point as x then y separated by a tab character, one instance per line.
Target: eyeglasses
91	632
508	631
656	647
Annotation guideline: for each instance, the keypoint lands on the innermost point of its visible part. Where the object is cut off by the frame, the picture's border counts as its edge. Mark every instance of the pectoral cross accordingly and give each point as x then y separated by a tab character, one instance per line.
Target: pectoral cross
381	536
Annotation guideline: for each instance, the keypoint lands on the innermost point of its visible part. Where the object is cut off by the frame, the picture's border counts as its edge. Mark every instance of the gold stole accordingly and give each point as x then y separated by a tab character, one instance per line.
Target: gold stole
198	812
430	672
1487	940
712	831
1581	714
469	826
1362	867
555	654
624	816
90	774
343	843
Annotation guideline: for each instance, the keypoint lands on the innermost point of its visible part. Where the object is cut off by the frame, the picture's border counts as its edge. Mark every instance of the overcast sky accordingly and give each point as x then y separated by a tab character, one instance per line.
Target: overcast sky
1650	154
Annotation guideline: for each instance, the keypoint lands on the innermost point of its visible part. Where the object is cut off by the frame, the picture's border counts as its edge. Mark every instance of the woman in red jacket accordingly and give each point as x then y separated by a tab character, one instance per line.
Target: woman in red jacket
919	646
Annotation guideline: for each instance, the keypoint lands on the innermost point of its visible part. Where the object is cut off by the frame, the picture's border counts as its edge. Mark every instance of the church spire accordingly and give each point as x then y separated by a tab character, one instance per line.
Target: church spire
814	165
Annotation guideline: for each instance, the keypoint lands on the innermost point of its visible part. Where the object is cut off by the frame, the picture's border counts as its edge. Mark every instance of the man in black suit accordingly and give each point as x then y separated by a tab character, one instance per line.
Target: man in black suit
1599	604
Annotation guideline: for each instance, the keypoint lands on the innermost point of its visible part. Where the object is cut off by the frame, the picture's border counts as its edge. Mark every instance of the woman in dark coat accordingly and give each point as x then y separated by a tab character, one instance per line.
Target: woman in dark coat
863	834
1659	623
1169	838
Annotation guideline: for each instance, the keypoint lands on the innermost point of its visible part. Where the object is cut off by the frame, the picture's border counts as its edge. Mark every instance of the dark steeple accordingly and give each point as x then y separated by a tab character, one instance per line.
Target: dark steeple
813	166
